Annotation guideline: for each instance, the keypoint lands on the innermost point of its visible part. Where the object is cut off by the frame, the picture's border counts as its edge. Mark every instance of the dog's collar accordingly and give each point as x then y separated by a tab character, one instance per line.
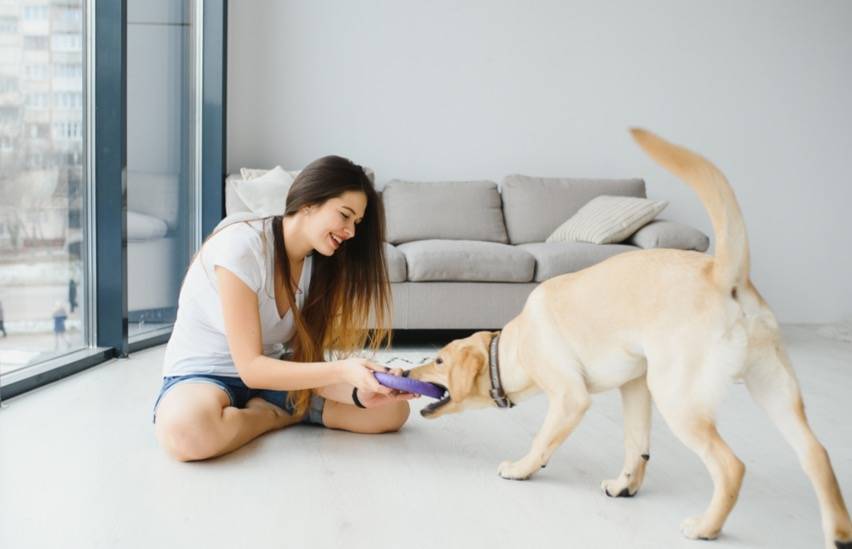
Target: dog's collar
497	392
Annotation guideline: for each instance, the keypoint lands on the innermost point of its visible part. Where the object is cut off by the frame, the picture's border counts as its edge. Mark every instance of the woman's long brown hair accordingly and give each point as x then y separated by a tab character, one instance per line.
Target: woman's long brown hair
346	287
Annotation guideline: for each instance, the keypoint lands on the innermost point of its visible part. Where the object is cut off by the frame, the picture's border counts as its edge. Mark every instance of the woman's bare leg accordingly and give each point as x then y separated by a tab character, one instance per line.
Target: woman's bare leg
383	419
195	421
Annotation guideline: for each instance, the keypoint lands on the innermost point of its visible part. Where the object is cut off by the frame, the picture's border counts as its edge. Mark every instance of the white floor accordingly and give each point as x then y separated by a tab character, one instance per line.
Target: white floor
79	467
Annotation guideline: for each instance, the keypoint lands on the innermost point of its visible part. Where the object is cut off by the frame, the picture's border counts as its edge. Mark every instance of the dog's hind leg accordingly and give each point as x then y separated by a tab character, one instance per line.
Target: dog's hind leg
687	406
772	383
636	402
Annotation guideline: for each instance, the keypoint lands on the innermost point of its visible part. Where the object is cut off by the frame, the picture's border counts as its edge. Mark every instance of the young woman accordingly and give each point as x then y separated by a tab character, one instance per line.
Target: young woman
259	310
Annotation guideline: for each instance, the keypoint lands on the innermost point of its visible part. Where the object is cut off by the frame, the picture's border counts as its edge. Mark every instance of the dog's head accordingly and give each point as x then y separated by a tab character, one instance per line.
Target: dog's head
461	368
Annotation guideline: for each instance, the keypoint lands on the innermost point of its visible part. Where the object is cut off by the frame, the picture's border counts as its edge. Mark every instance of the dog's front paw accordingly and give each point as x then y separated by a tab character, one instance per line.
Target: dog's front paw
513	471
615	488
693	528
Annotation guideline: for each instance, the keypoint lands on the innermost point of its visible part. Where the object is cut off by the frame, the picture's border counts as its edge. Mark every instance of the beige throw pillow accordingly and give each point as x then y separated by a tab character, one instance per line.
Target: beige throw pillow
607	219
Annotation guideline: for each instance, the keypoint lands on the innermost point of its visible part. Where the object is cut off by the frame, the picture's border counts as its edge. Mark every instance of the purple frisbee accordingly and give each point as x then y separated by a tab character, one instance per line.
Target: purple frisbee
410	385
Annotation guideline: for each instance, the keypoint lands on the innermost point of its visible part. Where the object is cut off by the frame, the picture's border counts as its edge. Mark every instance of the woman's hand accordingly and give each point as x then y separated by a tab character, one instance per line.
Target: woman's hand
359	372
374	400
370	392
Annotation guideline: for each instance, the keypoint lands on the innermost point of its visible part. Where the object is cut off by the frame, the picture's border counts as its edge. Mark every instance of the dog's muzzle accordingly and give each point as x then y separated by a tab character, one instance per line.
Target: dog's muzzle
433	407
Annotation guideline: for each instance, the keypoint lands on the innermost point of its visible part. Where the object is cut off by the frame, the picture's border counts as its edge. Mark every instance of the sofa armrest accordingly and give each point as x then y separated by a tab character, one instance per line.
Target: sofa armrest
670	234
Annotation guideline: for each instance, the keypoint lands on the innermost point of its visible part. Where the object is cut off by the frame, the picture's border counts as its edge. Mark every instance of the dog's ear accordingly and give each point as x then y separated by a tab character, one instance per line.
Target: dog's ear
463	372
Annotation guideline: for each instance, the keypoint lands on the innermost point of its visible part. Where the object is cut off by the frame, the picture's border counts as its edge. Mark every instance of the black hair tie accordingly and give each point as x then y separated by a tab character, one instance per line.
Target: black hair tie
355	398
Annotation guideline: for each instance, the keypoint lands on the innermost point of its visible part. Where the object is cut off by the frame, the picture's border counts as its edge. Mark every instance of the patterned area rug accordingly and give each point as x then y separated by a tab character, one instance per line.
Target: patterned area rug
403	358
404	355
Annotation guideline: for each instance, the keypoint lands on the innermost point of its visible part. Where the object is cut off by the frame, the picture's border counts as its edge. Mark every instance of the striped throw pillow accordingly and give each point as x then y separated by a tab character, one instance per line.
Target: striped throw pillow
607	219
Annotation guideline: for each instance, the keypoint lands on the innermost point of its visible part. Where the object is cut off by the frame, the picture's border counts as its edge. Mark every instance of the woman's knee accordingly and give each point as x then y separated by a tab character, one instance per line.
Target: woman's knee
188	421
396	414
186	439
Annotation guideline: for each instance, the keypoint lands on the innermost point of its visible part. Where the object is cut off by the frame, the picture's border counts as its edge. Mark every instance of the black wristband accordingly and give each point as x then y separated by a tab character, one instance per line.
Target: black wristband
355	398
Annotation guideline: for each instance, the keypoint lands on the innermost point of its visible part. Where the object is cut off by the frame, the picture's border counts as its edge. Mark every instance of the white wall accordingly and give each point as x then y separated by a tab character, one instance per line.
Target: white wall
462	89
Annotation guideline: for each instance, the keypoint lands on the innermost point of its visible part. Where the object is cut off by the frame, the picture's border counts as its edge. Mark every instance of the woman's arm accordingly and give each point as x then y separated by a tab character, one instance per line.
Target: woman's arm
338	392
342	392
245	341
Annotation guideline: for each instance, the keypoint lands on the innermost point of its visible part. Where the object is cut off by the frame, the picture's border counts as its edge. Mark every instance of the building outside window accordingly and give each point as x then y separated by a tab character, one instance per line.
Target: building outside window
42	149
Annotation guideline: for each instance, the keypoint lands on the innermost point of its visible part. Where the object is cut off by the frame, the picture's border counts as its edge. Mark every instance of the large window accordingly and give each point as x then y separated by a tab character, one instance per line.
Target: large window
42	191
104	150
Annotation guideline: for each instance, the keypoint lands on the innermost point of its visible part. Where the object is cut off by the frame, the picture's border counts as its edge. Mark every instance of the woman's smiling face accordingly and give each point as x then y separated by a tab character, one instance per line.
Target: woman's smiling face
335	221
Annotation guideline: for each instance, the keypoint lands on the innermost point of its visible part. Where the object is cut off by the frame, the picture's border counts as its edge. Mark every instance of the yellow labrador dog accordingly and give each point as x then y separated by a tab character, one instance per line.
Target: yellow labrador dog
673	326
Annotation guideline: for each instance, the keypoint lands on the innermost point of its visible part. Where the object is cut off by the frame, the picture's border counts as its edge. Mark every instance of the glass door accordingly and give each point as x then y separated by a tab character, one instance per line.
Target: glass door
161	104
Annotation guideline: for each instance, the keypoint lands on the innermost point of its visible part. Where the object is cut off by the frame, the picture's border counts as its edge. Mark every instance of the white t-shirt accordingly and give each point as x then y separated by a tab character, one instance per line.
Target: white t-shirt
198	344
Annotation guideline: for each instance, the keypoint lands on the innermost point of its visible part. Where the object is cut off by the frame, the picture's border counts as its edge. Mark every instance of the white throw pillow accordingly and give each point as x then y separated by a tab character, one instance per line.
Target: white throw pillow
266	195
253	173
607	219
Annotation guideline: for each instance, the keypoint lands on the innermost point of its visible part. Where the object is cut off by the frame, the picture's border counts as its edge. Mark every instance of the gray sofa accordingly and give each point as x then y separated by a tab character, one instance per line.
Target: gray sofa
466	254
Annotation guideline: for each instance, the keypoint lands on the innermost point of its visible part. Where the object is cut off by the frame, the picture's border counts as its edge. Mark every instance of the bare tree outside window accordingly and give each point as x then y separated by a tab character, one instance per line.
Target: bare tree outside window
41	180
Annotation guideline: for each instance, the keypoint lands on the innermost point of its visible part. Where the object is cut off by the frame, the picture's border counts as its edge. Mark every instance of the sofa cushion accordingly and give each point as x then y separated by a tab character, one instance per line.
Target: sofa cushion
558	258
466	260
661	233
395	262
535	206
449	210
608	220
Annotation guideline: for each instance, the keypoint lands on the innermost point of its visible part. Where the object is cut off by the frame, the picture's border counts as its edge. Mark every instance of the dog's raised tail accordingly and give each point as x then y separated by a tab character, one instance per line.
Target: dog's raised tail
731	265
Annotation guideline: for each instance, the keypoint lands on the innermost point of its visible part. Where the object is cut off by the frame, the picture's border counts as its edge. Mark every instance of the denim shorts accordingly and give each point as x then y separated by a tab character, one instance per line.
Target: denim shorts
239	394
